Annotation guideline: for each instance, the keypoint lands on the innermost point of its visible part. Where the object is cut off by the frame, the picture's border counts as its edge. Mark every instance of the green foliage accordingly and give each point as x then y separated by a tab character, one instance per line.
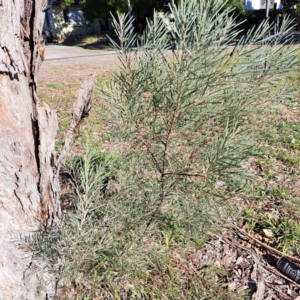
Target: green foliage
145	8
95	160
99	9
237	6
103	249
66	3
183	111
180	105
289	3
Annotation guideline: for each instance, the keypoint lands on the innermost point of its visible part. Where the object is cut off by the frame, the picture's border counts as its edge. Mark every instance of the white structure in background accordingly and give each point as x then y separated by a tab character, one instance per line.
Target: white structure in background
261	4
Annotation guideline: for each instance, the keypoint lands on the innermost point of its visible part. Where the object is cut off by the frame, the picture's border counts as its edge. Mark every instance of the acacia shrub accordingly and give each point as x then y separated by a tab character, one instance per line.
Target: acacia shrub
182	99
179	108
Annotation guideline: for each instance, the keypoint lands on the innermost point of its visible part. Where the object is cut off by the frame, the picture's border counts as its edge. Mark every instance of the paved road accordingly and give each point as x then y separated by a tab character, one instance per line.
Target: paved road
68	65
57	52
62	52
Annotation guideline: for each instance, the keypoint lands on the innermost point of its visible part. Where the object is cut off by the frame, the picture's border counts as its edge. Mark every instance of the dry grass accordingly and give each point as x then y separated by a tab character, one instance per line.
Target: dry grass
58	83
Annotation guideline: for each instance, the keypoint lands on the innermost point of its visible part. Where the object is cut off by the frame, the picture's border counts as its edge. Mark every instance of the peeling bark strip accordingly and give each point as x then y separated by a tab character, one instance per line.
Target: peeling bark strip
49	170
29	182
29	185
80	111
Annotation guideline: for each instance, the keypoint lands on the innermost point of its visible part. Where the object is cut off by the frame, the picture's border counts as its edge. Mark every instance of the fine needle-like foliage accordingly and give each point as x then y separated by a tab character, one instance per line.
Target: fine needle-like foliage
180	104
182	99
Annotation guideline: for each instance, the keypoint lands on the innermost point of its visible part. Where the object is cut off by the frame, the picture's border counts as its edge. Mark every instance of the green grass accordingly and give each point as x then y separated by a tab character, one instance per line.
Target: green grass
273	192
93	131
270	200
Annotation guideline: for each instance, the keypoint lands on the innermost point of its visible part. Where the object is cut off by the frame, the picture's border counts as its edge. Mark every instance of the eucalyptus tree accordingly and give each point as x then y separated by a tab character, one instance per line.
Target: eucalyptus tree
29	166
29	178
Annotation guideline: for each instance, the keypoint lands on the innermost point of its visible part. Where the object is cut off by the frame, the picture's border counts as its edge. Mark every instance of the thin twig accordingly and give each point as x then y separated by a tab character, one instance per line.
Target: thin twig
279	292
185	174
158	209
271	249
270	269
277	273
148	149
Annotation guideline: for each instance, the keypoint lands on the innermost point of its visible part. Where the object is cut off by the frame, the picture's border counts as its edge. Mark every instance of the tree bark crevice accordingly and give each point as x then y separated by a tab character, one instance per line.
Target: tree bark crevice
29	185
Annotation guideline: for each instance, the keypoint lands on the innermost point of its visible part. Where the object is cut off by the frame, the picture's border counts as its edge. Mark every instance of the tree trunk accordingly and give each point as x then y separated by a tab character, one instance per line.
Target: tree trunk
29	173
268	3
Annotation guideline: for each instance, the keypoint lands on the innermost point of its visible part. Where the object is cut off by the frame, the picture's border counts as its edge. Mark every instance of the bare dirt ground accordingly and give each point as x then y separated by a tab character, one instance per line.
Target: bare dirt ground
70	70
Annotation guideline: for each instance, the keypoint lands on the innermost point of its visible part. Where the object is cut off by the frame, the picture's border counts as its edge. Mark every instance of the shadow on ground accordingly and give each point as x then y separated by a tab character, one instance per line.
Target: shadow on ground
89	42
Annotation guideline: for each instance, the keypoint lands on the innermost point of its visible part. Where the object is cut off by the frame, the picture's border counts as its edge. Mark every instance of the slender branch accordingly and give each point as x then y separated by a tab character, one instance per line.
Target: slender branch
279	274
163	175
147	145
185	174
284	296
265	265
271	249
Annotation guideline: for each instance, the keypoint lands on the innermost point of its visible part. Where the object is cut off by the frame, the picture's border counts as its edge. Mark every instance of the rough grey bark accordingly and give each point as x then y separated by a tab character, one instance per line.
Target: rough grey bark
29	183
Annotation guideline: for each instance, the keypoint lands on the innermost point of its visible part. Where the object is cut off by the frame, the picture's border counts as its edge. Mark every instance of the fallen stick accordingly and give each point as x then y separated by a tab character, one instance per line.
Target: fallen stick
277	273
281	294
275	251
80	112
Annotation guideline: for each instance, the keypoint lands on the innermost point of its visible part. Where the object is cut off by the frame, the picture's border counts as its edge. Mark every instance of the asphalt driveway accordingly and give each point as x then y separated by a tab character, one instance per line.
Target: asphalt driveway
57	52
